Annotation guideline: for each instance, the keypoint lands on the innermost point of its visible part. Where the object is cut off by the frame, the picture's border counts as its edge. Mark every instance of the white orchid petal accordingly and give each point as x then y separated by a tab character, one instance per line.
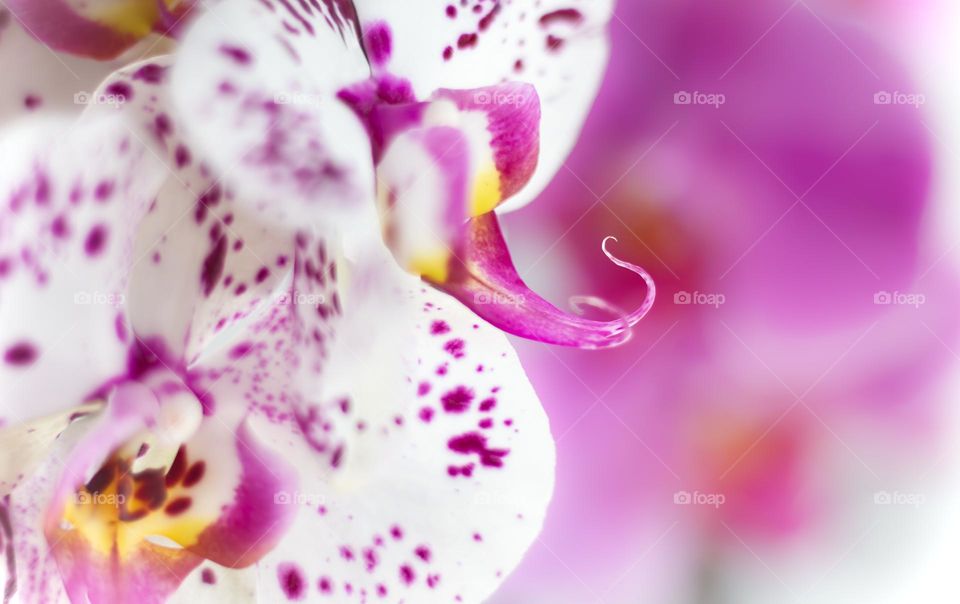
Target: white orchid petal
36	79
256	84
443	486
68	193
203	261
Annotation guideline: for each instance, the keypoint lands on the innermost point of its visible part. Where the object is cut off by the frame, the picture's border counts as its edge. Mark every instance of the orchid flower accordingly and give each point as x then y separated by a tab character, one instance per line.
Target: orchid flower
268	93
231	369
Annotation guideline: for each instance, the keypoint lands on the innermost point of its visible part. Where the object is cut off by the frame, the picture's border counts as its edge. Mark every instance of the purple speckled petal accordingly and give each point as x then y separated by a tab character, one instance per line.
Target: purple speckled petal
68	195
256	84
483	277
200	250
442	487
27	445
559	46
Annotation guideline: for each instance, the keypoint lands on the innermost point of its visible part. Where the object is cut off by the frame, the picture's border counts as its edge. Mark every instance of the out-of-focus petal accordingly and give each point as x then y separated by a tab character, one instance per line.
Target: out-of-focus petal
100	29
68	195
441	489
256	85
37	79
25	446
199	250
558	46
482	277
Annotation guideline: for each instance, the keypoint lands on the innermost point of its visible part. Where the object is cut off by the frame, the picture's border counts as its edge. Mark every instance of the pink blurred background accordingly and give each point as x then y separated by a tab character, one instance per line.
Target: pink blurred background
776	429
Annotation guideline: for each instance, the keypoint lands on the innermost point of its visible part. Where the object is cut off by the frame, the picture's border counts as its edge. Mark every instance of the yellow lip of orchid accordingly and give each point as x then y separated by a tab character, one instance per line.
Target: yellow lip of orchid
119	508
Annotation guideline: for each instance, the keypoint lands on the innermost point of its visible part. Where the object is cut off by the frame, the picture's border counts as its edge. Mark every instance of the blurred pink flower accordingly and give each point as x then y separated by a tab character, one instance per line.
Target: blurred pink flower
755	158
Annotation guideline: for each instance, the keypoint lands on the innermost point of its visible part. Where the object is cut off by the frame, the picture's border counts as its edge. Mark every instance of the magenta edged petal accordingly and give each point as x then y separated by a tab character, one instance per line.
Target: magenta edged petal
253	523
513	123
62	28
485	280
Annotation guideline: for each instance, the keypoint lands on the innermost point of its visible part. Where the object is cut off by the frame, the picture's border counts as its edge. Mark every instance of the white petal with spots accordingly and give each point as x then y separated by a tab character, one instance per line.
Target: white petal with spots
455	491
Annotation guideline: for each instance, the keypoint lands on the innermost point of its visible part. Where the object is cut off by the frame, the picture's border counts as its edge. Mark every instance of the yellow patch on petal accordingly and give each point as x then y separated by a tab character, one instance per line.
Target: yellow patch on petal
486	191
433	266
134	17
119	509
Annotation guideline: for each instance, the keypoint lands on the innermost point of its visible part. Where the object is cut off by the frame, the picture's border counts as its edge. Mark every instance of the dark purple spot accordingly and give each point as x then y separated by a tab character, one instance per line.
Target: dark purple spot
181	156
467	41
475	443
103	190
568	15
121	90
291	580
207	576
150	73
325	585
423	552
20	354
96	239
439	327
178	506
379	43
488	20
177	468
42	193
32	101
455	348
237	54
370	559
194	474
457	400
162	125
240	350
406	574
59	227
213	265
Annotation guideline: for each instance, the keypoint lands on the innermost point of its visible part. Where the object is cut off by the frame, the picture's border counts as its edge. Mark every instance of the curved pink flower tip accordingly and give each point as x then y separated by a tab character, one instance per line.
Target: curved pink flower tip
483	278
